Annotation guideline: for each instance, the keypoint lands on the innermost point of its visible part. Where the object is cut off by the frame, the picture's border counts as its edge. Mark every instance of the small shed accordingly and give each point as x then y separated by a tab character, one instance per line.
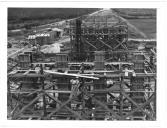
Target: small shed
43	38
31	39
56	33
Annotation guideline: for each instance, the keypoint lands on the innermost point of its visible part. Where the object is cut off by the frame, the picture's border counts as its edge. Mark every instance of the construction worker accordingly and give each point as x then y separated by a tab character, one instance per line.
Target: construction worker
34	48
37	67
38	47
82	68
74	87
110	83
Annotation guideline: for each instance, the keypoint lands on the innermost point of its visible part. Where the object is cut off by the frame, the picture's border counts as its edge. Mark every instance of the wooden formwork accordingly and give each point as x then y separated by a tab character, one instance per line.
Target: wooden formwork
50	98
87	39
124	90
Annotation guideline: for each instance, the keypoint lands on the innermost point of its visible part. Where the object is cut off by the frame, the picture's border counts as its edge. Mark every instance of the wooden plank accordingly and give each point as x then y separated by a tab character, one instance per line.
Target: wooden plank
61	91
17	52
26	72
13	72
70	74
20	75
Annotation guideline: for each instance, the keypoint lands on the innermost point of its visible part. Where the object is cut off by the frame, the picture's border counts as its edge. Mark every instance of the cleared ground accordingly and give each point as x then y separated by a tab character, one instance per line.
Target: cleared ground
148	26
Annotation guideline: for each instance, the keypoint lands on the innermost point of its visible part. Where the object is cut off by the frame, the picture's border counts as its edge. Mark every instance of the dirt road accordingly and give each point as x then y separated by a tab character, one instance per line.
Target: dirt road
55	48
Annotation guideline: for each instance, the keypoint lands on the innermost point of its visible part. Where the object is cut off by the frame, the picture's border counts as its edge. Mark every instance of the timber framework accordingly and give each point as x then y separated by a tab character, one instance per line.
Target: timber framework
104	75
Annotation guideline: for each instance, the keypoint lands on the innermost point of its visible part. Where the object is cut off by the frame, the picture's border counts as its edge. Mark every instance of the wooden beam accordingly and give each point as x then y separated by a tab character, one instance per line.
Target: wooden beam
69	109
139	107
57	109
26	72
28	105
126	96
121	97
13	72
94	91
13	111
89	43
105	107
105	44
120	44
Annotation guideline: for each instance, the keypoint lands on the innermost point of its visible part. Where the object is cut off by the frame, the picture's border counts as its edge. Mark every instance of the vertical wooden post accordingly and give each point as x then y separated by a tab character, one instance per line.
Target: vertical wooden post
54	89
155	92
9	95
121	97
82	89
43	90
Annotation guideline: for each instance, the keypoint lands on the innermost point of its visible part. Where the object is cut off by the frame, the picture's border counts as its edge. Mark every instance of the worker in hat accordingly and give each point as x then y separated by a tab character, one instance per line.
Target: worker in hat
74	87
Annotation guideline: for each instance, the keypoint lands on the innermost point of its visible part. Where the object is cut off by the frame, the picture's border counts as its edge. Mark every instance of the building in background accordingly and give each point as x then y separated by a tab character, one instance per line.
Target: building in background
45	36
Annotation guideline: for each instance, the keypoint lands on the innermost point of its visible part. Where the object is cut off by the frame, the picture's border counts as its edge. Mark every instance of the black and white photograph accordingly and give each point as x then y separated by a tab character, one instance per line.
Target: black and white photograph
81	64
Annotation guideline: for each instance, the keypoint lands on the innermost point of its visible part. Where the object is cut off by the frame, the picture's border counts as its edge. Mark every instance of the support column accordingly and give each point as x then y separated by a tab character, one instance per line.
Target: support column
43	90
121	97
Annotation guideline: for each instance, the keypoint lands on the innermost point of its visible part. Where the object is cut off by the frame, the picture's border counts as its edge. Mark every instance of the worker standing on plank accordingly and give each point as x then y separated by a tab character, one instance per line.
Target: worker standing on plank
110	83
74	87
82	68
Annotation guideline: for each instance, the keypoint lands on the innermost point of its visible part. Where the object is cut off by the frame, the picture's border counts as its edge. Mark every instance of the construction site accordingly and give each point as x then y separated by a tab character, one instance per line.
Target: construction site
94	67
